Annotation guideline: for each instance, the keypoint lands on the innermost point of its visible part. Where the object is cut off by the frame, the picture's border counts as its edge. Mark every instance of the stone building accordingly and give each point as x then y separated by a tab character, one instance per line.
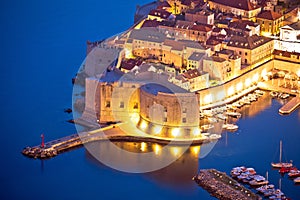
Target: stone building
202	16
251	49
247	9
270	22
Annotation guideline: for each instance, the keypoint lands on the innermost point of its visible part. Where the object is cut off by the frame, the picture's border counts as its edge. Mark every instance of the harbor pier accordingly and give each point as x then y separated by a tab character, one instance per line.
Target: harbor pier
290	106
111	133
221	186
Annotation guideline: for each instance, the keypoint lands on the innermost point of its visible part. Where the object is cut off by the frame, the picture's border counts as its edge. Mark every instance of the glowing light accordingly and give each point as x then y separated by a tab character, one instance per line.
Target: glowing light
175	151
248	82
175	132
221	95
230	91
195	150
255	77
143	146
196	132
207	98
135	117
157	129
264	73
156	149
128	53
239	86
144	125
298	73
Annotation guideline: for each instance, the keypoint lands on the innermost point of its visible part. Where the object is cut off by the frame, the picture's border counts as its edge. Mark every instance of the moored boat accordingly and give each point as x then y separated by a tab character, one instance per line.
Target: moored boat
274	94
263	188
297	180
281	164
284	170
294	173
258	181
233	114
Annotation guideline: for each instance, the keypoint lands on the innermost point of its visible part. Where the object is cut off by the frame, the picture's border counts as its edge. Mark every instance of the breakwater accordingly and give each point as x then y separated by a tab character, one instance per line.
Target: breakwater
221	186
55	147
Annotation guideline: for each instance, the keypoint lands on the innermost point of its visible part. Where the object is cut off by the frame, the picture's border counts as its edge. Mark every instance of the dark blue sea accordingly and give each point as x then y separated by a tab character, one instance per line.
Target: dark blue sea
43	43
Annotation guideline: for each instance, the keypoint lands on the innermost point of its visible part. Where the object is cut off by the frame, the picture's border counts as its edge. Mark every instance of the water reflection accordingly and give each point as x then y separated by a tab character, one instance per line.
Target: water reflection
178	174
257	107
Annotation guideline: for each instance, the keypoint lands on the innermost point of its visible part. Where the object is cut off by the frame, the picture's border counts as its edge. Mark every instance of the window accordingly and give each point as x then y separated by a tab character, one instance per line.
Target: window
107	104
165	119
246	53
184	110
136	105
240	53
184	120
246	61
165	110
122	104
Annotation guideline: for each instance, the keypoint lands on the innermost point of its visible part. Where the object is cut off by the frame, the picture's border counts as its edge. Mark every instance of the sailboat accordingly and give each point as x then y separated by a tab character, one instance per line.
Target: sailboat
281	164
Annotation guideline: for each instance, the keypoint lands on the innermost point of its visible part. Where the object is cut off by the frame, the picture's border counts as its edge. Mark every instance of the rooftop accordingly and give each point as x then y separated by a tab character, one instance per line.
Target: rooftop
269	15
176	45
250	42
241	4
215	58
196	56
193	73
147	34
160	13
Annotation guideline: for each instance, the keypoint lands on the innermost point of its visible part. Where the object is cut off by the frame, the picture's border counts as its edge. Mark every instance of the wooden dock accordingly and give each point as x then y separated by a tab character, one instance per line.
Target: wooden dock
290	106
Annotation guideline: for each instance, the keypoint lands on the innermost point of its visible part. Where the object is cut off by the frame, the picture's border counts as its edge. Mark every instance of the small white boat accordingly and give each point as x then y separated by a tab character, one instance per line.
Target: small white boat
297	180
233	114
258	180
274	94
230	127
284	96
221	116
265	187
214	136
237	104
207	126
259	92
212	119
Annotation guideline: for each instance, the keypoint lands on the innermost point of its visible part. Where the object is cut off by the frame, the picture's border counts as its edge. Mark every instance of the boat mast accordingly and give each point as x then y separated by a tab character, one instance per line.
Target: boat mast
280	152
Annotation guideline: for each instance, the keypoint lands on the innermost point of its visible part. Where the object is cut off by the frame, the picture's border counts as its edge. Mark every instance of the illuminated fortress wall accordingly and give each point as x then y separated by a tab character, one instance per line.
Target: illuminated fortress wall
118	100
235	86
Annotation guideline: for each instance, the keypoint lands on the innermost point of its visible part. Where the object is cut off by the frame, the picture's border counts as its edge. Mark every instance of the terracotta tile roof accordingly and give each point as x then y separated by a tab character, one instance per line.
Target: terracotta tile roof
242	24
160	13
295	26
193	73
216	59
130	63
240	4
202	28
164	4
268	14
250	42
181	78
285	53
184	24
186	2
151	23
